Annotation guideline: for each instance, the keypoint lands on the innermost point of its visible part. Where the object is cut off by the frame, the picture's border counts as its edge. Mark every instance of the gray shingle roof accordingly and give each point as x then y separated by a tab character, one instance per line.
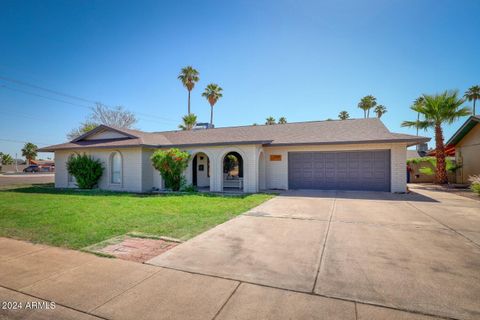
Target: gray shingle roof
314	132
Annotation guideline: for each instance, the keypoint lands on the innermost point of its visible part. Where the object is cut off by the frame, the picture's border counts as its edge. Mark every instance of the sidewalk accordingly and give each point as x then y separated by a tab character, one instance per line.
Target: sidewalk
84	286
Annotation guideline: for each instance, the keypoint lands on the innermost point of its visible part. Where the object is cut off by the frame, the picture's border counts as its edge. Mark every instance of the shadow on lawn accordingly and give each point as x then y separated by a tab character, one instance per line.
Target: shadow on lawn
49	188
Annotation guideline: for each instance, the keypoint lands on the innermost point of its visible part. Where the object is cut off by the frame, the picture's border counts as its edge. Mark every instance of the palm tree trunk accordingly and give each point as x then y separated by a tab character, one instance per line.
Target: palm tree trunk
441	172
188	102
365	113
211	115
418	120
474	113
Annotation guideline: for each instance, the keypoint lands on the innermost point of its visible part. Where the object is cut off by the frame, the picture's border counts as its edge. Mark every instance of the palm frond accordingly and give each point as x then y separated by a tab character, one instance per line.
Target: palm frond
212	93
422	124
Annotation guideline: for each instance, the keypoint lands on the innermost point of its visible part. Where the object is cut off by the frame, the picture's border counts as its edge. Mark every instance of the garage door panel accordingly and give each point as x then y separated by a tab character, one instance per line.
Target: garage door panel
346	170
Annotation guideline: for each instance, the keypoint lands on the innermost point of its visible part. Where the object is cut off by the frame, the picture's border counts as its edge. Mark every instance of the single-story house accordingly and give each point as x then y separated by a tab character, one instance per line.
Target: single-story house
354	154
466	143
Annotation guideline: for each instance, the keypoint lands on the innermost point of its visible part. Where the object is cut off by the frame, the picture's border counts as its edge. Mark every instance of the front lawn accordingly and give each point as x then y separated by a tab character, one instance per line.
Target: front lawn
76	219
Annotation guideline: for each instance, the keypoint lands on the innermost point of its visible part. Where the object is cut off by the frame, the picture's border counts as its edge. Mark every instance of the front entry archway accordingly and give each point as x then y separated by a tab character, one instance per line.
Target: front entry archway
201	171
233	172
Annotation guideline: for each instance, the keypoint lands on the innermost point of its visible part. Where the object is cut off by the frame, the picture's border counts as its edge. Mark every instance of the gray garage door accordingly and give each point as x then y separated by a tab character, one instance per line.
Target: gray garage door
350	170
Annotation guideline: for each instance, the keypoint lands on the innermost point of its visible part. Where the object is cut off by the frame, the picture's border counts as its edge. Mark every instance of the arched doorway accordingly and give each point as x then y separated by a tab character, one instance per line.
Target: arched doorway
201	171
233	171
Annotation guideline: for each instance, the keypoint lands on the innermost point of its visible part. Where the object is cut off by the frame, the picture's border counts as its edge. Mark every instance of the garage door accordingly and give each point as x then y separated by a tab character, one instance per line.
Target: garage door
350	170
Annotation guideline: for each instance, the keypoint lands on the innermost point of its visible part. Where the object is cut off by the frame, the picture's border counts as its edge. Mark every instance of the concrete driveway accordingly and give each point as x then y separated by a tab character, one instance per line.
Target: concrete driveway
418	252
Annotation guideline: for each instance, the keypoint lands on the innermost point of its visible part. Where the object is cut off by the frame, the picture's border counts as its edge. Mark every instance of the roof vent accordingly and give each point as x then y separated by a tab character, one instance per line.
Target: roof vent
203	126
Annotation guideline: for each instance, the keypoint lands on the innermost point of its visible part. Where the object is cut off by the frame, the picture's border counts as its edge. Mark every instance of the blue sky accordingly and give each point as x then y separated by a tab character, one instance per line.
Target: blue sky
305	60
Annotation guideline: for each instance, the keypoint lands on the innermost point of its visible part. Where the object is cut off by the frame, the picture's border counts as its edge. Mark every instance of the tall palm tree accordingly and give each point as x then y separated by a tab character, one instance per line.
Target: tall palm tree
189	76
473	94
29	151
343	115
270	121
367	103
189	121
437	110
212	93
380	110
282	120
418	102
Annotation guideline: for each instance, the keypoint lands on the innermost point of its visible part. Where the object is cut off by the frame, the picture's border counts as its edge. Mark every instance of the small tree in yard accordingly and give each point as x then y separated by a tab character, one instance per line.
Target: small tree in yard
171	164
86	170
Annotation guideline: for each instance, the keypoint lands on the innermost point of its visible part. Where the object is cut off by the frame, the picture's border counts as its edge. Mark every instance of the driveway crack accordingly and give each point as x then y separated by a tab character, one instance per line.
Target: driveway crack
226	301
324	244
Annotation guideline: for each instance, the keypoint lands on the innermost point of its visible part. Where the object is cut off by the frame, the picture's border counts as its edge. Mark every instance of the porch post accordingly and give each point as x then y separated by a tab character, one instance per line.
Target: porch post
216	174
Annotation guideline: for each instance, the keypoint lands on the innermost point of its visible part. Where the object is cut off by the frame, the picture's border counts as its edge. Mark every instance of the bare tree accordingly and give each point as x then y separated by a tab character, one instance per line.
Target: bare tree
117	117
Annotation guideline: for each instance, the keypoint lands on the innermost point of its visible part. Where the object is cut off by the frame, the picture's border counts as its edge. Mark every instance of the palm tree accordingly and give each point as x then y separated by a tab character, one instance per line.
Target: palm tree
380	110
418	102
343	115
437	110
5	159
282	120
270	120
472	94
29	151
212	93
367	103
189	76
189	121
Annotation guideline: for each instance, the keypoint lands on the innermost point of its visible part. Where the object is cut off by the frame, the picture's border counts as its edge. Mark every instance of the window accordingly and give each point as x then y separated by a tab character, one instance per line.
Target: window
116	167
71	179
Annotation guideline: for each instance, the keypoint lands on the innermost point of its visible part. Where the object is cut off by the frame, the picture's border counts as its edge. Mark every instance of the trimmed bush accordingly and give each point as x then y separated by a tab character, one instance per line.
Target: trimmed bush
475	186
86	170
171	163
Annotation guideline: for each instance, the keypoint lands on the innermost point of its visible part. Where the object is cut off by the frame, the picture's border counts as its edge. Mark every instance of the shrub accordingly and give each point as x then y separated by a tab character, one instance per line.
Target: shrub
189	188
86	170
171	164
475	186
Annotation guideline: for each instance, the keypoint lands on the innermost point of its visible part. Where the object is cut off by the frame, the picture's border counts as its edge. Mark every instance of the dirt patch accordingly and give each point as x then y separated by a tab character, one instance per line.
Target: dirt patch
133	248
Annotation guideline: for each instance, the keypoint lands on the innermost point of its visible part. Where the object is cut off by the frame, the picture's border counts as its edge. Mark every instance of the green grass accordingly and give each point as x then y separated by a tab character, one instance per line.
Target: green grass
75	219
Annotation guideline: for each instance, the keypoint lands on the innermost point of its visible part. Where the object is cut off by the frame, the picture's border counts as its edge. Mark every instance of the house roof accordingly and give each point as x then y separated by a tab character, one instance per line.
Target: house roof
449	151
350	131
463	130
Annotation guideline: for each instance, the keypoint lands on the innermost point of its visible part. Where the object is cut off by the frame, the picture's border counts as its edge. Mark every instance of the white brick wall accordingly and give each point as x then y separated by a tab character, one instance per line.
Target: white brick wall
131	162
140	176
277	171
398	158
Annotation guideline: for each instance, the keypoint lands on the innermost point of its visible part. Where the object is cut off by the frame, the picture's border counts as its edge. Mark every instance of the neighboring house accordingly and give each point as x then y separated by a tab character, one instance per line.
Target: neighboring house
356	154
466	143
44	165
